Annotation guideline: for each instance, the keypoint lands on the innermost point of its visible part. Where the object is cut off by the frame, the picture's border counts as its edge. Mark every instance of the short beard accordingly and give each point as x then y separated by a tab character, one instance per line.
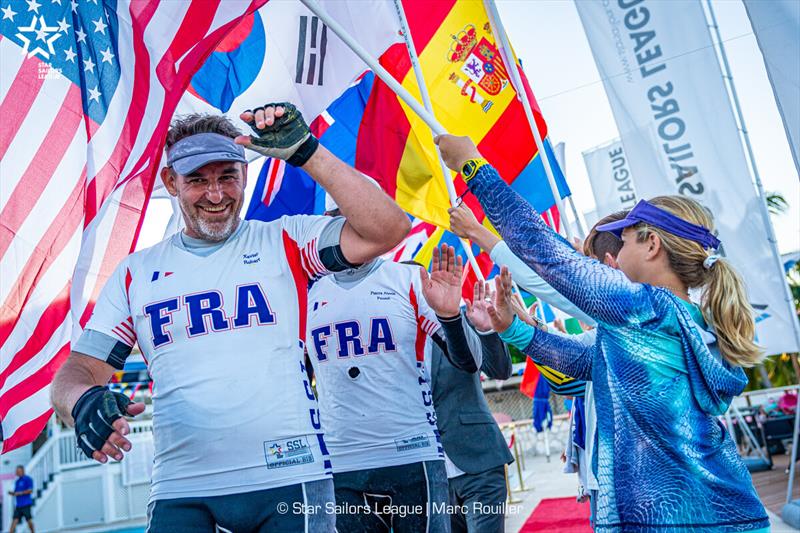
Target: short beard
210	232
215	232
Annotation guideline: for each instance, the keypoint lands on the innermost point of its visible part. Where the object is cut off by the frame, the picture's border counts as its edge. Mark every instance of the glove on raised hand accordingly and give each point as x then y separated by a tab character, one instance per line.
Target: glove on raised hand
94	413
287	138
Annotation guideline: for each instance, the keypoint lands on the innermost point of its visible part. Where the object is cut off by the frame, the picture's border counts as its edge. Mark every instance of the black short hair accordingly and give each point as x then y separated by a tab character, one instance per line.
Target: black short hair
188	125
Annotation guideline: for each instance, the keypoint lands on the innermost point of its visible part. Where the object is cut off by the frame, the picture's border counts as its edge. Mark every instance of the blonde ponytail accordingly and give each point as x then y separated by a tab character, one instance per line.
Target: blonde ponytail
724	303
725	306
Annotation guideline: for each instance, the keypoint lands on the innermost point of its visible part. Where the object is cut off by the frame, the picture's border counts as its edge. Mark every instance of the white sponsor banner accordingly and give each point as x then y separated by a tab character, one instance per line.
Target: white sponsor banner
777	28
610	176
665	86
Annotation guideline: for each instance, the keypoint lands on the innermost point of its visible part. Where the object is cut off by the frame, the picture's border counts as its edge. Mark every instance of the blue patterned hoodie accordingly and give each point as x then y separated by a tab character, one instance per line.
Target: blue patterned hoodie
663	460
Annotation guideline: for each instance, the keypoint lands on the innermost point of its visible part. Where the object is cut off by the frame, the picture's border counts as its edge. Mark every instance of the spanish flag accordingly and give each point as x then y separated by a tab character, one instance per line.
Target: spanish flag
472	95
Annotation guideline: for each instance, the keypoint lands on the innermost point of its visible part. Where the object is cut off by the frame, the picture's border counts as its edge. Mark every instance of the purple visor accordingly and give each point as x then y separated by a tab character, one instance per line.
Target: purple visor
649	214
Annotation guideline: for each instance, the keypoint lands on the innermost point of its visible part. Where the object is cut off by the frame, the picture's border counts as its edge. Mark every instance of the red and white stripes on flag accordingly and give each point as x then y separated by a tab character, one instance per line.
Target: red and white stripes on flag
73	191
420	232
274	180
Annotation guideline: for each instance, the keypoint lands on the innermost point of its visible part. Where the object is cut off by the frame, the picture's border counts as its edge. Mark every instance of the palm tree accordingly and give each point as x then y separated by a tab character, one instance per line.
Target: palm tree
776	203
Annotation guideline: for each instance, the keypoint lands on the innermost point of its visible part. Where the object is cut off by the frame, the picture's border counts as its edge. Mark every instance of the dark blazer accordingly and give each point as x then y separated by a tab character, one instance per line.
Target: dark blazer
470	435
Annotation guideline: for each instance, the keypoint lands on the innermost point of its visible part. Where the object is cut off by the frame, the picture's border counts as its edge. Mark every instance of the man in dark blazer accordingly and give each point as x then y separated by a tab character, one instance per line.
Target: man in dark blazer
475	449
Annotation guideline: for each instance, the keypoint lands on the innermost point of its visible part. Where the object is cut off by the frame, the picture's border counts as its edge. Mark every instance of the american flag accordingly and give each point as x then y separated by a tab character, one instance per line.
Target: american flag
87	90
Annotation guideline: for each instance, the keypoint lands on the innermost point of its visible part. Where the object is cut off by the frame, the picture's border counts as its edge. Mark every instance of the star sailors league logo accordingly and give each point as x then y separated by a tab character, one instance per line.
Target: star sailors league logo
482	73
37	31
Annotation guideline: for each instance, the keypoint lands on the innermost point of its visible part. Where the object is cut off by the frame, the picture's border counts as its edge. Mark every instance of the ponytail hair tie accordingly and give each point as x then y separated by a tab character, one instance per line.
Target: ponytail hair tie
710	260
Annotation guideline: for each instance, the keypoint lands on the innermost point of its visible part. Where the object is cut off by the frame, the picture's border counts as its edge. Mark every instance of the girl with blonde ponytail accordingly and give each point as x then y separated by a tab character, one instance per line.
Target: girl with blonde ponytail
662	368
724	302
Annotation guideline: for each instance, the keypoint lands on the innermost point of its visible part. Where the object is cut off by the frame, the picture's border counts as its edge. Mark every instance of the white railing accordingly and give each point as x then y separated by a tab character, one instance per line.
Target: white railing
70	456
43	464
60	454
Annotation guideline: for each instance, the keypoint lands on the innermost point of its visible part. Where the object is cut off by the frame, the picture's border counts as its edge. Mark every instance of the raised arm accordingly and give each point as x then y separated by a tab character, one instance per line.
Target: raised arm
495	357
601	292
441	293
375	223
564	354
464	224
531	282
561	353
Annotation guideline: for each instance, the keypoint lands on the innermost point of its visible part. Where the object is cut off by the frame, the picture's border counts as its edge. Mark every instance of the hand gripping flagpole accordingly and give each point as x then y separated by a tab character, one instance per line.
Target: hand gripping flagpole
504	47
426	100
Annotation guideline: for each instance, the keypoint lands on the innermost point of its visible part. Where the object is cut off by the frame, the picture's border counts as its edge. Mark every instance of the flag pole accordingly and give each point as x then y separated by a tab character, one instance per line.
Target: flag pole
426	100
375	66
504	47
578	223
559	151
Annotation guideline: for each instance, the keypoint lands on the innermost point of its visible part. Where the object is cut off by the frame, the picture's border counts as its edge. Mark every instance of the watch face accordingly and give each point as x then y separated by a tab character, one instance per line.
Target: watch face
469	167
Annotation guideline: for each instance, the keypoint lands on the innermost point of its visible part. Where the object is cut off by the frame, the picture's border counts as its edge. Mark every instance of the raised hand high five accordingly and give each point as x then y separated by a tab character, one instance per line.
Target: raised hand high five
442	289
501	311
478	308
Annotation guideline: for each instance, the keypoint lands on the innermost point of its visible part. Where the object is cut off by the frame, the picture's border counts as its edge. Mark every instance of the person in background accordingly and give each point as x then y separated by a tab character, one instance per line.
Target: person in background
603	246
23	490
659	386
475	449
367	330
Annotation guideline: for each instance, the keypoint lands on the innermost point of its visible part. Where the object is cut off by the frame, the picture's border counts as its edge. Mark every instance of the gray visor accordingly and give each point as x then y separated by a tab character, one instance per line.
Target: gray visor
191	153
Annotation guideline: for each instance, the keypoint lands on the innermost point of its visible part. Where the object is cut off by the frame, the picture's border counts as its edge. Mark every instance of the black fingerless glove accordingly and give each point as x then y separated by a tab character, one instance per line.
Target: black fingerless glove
94	413
288	137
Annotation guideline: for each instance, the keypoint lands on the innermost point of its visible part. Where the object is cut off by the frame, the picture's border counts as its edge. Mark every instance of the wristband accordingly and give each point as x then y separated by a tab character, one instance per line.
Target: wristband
471	166
304	152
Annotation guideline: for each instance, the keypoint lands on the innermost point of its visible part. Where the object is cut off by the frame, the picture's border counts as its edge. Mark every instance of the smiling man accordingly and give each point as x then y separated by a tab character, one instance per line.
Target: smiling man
219	313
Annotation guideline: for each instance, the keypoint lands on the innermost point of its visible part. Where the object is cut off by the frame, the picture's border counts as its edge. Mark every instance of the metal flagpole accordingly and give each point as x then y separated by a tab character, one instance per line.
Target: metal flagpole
562	162
727	75
794	449
508	57
578	223
426	100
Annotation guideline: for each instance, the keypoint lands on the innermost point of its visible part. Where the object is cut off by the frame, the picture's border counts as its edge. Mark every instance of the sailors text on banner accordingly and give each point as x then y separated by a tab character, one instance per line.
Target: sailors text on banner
673	113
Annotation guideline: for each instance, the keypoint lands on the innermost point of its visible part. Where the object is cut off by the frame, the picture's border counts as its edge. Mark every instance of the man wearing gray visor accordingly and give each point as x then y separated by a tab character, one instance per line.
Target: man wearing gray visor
219	313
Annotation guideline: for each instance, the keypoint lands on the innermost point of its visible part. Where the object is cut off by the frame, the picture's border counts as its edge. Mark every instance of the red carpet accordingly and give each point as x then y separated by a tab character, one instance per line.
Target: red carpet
559	515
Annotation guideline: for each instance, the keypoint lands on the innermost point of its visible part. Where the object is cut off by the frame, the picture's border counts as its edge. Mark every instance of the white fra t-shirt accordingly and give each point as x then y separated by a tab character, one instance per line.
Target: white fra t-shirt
223	337
366	344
